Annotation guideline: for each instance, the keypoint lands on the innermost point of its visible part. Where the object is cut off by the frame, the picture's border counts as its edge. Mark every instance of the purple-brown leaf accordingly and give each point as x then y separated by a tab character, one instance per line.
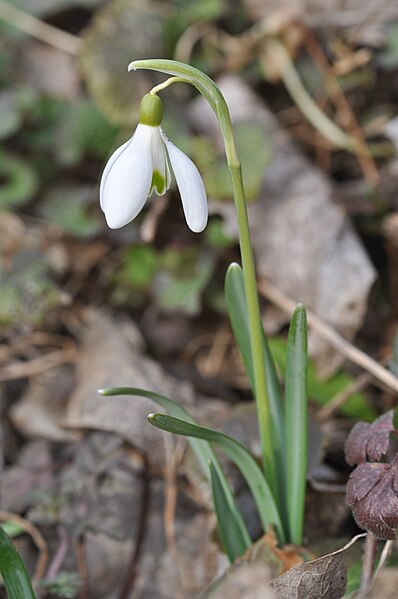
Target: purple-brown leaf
372	494
369	441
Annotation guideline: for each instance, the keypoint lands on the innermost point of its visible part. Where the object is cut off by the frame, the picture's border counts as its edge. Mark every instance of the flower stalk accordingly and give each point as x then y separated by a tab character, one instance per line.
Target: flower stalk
210	91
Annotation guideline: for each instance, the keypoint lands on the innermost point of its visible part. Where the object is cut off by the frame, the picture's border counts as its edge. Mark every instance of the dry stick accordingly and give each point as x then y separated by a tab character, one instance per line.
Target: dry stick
36	338
340	398
385	554
285	303
83	569
18	370
173	454
71	44
367	564
336	94
128	584
60	553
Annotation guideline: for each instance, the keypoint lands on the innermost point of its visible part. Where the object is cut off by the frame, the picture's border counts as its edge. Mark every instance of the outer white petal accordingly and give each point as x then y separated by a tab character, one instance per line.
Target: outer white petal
126	180
190	185
160	160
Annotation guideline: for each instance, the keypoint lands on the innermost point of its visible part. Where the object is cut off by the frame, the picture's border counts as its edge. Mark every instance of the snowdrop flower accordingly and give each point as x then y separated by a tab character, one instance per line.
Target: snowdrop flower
142	165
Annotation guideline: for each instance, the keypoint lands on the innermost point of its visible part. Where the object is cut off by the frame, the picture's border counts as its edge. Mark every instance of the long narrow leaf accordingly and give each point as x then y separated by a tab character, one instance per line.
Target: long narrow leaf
296	422
203	451
245	462
13	571
237	309
231	540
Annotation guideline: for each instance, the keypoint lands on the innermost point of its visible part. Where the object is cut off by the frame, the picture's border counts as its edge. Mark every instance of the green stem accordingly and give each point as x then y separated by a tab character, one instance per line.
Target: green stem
211	92
255	327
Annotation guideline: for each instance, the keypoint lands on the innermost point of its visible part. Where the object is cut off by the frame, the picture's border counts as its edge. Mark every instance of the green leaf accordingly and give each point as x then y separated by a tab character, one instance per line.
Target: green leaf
245	462
18	181
203	451
28	293
231	539
296	423
10	115
68	207
65	585
84	132
13	570
237	309
12	529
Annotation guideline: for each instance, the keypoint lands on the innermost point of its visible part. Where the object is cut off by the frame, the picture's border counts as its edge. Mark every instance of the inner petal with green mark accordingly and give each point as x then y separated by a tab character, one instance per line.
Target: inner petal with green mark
161	173
158	183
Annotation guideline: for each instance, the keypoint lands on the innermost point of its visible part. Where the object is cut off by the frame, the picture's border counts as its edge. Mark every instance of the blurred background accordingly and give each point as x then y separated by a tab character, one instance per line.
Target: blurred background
88	488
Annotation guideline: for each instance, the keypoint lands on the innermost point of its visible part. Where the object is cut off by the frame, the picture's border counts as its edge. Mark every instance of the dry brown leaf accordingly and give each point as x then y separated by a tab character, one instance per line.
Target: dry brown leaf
112	355
250	580
43	405
323	578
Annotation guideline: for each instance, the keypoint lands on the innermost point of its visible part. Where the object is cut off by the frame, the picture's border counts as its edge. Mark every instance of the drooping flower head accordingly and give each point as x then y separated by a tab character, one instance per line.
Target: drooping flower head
142	165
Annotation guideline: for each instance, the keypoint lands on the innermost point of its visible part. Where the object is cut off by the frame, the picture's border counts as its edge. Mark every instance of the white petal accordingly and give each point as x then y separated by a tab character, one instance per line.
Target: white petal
190	185
159	163
126	180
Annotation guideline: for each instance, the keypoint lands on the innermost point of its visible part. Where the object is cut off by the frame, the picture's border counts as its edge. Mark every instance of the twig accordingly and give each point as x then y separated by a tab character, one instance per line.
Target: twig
60	554
340	398
83	569
128	584
170	480
18	370
37	538
385	555
368	561
36	338
349	351
173	456
39	30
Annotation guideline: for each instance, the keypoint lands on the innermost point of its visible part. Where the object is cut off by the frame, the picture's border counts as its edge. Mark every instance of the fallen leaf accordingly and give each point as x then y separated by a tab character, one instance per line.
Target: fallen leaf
249	580
323	578
112	355
186	567
43	404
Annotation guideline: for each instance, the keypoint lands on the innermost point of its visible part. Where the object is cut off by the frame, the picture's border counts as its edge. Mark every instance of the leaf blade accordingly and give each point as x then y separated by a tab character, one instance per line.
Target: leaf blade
237	310
231	539
203	451
13	570
245	462
296	422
